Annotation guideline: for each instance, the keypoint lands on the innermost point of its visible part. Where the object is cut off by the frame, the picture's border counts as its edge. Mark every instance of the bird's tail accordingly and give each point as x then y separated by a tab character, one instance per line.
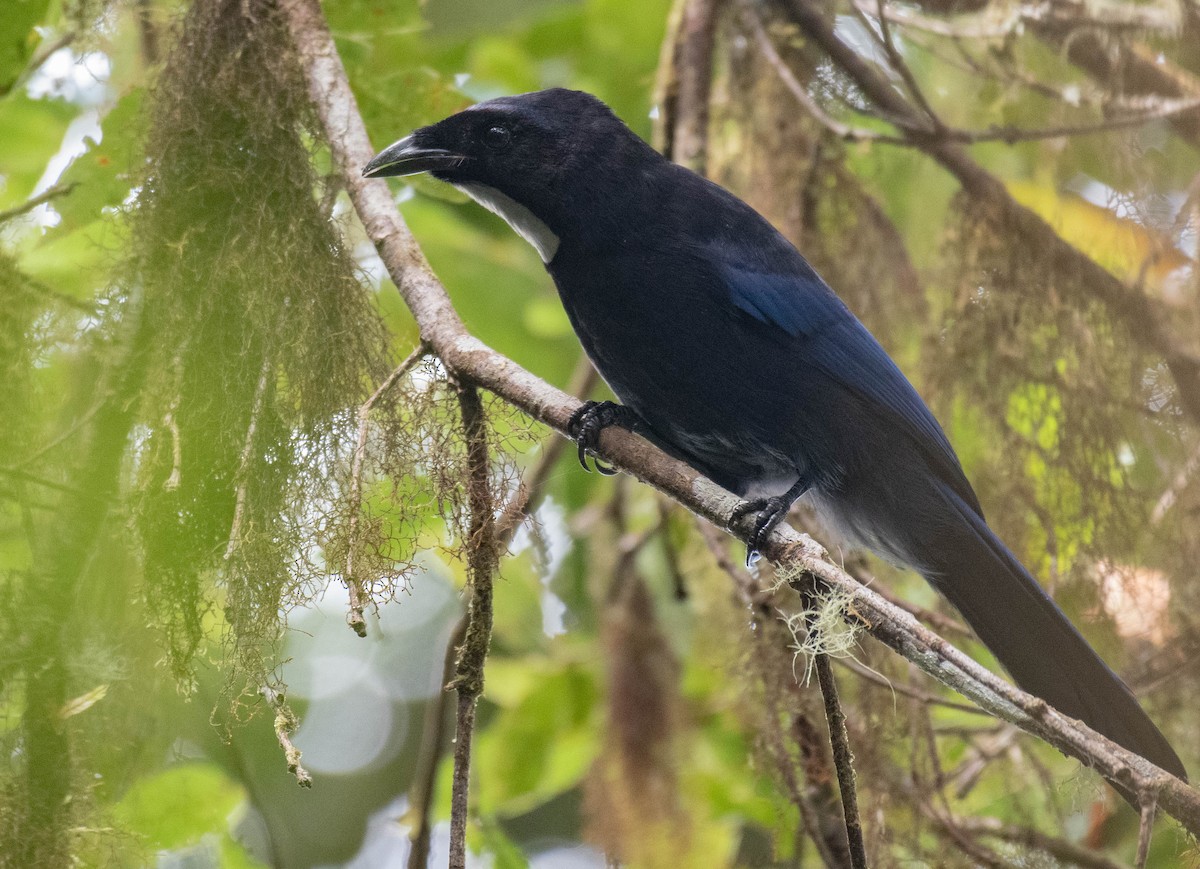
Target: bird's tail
1029	634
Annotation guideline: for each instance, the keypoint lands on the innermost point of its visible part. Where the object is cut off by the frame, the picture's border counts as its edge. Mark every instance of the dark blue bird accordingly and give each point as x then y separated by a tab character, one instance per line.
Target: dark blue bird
728	351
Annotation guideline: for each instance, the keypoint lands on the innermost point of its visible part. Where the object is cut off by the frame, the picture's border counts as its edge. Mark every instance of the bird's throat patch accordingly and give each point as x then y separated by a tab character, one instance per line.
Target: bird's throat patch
516	215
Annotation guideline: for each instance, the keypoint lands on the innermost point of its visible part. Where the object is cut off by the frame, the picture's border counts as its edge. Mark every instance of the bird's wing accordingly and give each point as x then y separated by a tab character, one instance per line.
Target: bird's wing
833	340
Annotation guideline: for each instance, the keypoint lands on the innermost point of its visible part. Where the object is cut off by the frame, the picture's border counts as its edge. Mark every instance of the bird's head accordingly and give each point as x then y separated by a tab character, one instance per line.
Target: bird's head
531	158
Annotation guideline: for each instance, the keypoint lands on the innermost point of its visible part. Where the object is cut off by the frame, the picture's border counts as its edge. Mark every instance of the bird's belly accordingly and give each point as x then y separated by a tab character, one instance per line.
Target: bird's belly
742	465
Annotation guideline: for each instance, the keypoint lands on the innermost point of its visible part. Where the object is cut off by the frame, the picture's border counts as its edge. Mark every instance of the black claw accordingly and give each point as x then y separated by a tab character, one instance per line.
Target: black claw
586	424
771	511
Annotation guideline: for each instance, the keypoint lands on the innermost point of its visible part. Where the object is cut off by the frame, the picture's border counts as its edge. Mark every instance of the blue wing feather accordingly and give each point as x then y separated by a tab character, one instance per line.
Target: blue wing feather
834	341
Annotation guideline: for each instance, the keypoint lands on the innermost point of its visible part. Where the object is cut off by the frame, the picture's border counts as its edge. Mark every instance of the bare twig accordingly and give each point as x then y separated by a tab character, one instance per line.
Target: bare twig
354	584
999	23
1130	69
1145	831
420	795
904	690
465	355
934	619
34	201
982	752
814	799
897	62
529	495
842	130
481	563
1178	484
35	63
952	827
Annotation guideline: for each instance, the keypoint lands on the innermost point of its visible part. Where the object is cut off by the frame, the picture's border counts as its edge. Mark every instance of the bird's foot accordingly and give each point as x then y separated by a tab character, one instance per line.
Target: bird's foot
769	513
592	418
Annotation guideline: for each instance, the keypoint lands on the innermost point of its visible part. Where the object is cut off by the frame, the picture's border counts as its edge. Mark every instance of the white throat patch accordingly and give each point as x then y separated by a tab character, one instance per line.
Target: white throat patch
516	215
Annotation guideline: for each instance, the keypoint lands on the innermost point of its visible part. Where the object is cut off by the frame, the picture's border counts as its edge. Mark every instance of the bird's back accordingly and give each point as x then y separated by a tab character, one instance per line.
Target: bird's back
711	325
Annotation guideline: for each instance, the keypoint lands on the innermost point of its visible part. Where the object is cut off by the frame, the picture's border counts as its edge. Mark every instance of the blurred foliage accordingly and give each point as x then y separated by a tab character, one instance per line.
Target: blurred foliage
191	321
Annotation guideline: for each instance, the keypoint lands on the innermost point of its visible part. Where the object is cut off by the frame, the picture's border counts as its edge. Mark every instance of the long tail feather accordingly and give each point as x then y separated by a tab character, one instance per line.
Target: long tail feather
1030	635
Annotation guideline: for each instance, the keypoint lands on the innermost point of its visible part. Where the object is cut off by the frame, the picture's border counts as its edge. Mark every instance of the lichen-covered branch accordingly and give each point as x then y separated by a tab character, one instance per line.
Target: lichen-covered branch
482	558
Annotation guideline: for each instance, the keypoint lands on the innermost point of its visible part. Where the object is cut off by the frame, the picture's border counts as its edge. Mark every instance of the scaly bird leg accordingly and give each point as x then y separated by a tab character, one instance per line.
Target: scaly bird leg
770	512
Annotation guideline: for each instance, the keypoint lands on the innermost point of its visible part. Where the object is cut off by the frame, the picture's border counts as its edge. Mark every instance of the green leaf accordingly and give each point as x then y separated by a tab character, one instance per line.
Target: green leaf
179	806
76	263
540	748
100	176
18	39
33	131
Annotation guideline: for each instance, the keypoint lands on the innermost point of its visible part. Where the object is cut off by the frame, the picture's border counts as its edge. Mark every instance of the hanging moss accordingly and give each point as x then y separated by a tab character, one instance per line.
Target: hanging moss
1061	388
265	340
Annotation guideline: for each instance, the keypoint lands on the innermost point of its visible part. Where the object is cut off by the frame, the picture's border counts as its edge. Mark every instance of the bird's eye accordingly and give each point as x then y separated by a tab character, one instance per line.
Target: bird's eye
496	137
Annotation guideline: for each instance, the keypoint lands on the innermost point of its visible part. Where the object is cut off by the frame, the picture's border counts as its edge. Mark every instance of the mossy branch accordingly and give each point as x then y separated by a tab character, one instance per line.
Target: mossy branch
482	559
470	359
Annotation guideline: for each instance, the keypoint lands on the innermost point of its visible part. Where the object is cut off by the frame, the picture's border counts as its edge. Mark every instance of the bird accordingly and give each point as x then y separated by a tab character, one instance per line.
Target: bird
727	350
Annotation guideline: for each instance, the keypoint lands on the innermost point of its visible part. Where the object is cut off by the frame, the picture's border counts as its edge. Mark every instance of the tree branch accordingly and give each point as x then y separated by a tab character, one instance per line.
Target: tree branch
421	792
469	358
693	58
843	759
1140	315
482	558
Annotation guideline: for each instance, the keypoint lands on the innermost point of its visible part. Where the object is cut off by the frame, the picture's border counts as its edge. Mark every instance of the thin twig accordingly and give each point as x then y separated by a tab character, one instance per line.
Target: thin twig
981	753
840	129
527	499
1145	831
354	584
826	833
35	63
969	845
34	201
843	757
906	690
674	569
1141	315
481	563
1012	135
936	620
897	63
30	477
525	502
420	794
1000	23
